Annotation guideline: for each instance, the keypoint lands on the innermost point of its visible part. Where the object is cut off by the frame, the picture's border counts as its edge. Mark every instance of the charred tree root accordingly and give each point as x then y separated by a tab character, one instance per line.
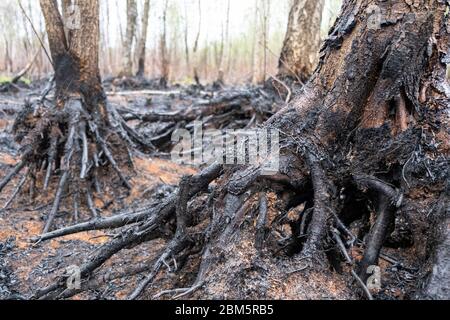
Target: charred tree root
178	243
117	221
261	224
133	236
341	245
388	201
74	144
322	208
181	239
237	109
146	223
16	190
12	174
107	278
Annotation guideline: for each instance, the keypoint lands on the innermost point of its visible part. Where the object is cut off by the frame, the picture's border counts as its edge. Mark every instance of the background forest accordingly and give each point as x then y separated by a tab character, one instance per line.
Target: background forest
243	38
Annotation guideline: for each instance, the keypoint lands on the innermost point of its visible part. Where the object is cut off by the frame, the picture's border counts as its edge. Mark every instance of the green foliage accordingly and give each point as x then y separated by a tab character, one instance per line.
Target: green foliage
5	80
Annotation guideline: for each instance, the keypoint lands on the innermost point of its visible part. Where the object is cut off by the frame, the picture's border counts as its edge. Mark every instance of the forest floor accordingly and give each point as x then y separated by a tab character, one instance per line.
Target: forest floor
26	267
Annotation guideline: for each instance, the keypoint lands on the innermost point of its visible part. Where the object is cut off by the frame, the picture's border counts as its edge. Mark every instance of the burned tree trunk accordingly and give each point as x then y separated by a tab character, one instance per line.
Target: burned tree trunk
143	39
371	124
300	53
127	63
80	138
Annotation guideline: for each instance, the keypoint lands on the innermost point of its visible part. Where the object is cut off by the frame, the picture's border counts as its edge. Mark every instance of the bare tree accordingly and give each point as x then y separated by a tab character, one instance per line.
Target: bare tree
119	23
107	30
253	60
227	37
9	65
219	56
141	48
127	63
196	44
186	37
300	53
165	62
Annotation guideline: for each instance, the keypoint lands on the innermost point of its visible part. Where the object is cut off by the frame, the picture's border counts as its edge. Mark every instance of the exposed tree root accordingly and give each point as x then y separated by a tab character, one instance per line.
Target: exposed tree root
178	243
136	235
349	260
388	200
16	191
12	174
261	224
315	225
117	221
322	208
74	144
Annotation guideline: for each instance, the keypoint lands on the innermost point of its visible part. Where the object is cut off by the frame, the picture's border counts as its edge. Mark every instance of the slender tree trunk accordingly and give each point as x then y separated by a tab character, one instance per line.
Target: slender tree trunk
227	39
142	41
264	35
8	61
254	43
300	53
186	37
107	34
266	19
165	63
127	63
196	44
28	45
218	58
119	24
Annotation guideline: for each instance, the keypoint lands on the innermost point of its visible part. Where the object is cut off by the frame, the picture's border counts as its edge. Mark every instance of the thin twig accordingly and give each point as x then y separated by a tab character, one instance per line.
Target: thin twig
288	98
341	246
36	33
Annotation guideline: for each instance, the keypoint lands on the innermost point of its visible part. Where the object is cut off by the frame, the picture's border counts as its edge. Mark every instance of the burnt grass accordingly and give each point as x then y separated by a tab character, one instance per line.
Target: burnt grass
26	267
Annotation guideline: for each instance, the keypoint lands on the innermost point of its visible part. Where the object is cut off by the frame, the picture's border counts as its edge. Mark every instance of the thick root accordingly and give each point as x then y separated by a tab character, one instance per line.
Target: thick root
144	231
